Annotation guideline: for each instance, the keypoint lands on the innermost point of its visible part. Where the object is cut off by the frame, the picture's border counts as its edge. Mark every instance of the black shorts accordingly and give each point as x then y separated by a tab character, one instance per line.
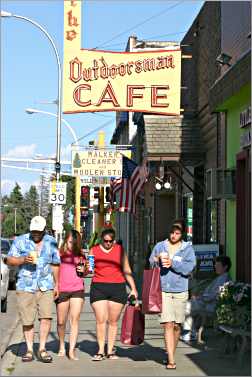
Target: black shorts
108	291
65	296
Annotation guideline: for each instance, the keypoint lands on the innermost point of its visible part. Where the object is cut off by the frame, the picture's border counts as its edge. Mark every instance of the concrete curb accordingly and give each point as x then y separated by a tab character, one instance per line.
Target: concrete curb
9	355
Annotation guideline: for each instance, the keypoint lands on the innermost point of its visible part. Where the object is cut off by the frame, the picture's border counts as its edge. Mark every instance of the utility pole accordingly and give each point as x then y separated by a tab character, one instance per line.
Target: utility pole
100	216
77	203
15	220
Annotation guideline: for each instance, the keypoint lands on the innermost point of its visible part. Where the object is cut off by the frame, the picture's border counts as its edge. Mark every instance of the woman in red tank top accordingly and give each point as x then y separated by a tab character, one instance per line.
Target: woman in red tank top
108	293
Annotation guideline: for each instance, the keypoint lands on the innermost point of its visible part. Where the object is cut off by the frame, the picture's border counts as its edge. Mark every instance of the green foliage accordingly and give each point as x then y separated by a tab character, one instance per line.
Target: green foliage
77	161
21	207
93	240
234	305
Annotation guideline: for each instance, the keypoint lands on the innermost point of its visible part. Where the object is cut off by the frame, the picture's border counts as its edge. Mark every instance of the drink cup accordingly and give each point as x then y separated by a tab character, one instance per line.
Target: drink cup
91	260
34	256
164	255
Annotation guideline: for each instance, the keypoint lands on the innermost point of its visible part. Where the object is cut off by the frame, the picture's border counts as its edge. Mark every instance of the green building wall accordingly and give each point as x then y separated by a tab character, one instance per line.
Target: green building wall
233	106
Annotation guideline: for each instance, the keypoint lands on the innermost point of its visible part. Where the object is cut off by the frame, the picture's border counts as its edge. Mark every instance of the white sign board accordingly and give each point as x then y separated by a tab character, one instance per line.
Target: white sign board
58	192
206	254
57	218
98	162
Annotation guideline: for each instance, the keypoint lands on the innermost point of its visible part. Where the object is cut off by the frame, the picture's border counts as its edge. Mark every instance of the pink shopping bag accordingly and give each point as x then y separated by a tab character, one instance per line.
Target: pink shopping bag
151	293
133	325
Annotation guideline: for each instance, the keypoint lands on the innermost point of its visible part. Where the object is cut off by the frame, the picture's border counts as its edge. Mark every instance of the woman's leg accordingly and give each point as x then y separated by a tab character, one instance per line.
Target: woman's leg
100	309
169	340
62	312
114	312
76	305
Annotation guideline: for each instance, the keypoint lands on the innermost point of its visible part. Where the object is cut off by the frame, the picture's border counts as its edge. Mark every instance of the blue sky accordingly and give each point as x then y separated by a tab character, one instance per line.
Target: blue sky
29	69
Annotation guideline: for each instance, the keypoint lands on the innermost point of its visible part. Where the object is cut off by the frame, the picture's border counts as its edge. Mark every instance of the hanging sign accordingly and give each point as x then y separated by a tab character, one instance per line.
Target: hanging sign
146	81
98	163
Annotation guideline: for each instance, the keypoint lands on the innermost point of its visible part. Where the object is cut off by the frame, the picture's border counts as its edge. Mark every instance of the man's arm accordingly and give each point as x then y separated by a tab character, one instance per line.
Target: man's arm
55	270
17	261
14	257
55	264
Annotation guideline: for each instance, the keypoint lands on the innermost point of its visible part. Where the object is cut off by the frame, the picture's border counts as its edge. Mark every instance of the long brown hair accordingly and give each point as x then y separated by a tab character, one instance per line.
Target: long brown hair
76	243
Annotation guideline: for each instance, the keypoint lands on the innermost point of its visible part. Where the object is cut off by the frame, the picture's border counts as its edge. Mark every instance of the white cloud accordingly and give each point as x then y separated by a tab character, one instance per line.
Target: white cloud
22	151
7	185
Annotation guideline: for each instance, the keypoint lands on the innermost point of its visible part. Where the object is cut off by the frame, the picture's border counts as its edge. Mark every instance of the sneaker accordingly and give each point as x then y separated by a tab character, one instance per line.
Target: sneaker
188	336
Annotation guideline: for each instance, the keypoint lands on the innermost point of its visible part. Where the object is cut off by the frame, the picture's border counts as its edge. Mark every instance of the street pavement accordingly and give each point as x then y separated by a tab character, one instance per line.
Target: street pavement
144	360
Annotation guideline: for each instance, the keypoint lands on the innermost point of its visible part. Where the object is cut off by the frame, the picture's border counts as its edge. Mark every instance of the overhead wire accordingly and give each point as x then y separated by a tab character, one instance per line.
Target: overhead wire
149	37
140	24
95	130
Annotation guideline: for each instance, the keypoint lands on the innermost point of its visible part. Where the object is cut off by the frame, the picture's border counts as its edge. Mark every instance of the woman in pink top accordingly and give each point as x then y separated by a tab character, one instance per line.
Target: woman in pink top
71	291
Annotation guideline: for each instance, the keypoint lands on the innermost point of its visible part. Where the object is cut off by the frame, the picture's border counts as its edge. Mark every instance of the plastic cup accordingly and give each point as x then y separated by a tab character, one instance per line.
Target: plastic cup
164	255
91	260
34	256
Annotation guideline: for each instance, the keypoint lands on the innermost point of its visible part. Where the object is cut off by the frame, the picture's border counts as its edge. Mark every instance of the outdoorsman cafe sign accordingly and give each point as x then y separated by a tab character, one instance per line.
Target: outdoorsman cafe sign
146	81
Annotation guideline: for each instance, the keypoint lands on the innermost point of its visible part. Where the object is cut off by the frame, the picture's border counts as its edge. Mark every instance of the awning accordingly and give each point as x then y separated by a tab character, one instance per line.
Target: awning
173	139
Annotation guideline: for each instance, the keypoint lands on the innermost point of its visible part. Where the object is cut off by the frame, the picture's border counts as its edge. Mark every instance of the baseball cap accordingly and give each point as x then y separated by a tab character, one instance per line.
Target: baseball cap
37	223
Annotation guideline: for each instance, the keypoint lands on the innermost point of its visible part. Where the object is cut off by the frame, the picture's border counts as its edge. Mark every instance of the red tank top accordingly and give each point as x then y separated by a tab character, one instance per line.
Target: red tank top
108	267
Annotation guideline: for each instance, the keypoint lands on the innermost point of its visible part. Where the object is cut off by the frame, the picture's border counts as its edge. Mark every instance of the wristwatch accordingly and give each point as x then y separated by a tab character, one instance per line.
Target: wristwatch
5	259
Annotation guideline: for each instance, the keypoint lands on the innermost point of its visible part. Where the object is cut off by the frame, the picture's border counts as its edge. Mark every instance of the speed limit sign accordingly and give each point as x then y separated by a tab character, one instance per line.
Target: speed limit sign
58	192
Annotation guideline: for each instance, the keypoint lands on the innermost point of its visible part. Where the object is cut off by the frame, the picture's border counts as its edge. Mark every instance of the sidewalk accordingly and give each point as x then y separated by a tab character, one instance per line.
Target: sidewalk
144	360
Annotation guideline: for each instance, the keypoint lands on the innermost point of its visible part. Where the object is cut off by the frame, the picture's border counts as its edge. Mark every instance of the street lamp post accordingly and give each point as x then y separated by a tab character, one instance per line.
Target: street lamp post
59	99
37	111
77	179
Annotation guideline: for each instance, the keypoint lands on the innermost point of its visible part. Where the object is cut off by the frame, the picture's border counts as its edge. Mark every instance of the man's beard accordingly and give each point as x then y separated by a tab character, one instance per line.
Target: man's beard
174	243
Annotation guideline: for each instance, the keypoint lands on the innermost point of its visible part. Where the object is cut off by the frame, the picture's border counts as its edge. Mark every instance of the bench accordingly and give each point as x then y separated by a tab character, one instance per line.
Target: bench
231	335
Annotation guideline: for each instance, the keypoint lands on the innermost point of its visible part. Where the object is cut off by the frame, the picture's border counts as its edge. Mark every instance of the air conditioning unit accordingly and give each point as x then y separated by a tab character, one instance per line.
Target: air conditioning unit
220	183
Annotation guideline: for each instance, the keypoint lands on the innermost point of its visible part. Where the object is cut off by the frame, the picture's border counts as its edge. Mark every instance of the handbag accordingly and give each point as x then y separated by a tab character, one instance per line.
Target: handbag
133	326
151	292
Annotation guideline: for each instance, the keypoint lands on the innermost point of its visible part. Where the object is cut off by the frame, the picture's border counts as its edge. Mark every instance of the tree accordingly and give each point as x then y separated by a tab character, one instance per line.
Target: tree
13	212
31	204
70	199
16	197
77	161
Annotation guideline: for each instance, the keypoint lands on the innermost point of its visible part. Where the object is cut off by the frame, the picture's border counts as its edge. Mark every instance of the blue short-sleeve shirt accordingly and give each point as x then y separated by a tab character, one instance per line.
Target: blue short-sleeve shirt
38	276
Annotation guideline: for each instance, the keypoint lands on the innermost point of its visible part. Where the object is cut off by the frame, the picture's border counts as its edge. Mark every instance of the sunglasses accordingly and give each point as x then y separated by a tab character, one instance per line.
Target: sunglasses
108	241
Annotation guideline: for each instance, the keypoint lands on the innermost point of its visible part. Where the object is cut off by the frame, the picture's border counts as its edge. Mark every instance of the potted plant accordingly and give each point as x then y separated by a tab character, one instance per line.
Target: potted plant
234	305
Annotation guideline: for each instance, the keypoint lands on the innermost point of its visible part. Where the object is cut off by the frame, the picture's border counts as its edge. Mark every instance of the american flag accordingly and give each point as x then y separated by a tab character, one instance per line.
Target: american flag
115	186
133	179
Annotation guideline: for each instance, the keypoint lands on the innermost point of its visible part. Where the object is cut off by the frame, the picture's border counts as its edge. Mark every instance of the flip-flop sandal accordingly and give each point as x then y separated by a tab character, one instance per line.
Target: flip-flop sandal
44	356
28	357
171	366
98	357
112	356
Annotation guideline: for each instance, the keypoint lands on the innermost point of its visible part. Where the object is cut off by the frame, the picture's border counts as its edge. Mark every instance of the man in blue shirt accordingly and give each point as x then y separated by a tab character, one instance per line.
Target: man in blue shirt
177	260
37	257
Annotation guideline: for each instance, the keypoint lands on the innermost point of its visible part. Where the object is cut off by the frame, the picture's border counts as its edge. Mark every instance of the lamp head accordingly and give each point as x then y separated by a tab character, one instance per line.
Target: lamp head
5	14
158	186
30	111
167	185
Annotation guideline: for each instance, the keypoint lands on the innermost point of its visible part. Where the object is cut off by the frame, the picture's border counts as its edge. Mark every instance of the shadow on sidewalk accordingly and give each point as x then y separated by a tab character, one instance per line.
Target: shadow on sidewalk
136	353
